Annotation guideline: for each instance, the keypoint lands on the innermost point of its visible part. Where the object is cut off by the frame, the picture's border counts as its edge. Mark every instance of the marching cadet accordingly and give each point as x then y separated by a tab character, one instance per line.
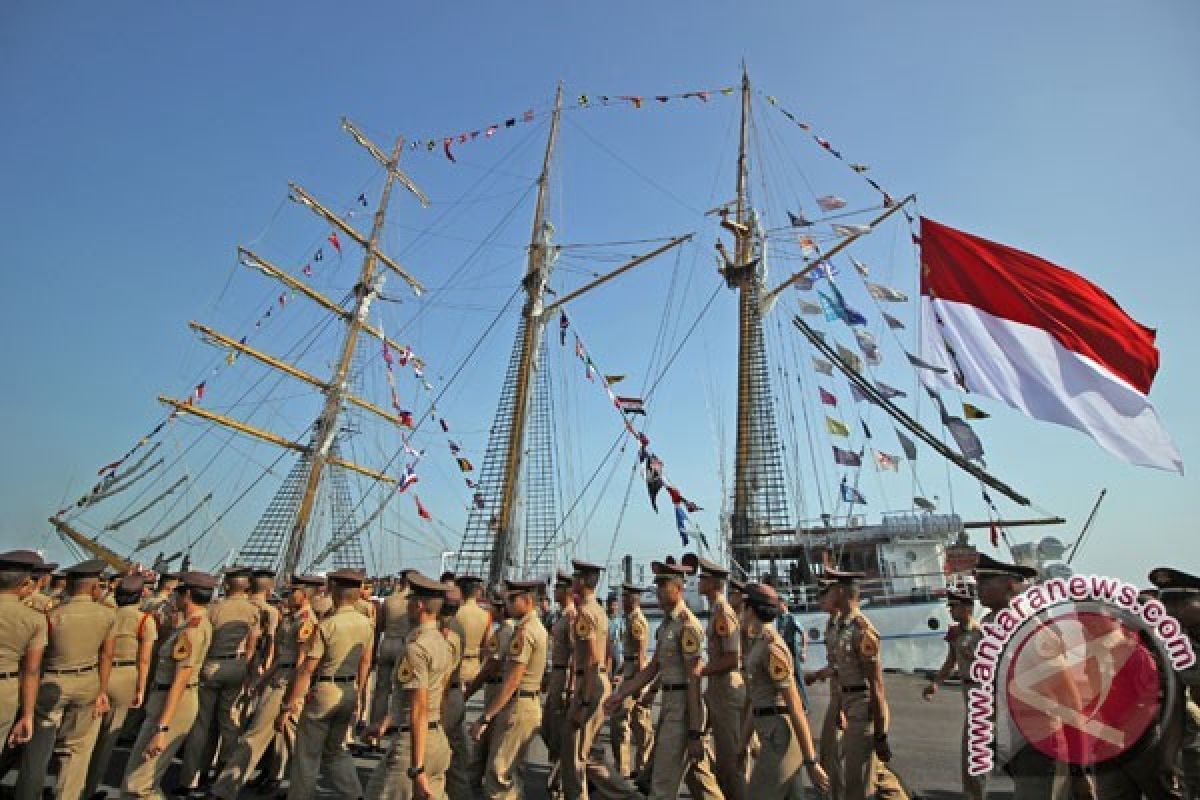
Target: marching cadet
38	599
235	632
632	723
134	634
475	624
514	713
392	623
1179	592
961	641
336	667
680	751
833	723
290	643
172	704
725	694
262	586
454	708
419	755
76	669
774	711
585	714
557	682
490	677
854	656
23	638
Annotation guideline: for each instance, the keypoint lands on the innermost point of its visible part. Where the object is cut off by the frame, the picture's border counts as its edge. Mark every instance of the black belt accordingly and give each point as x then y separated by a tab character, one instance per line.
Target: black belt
223	658
132	663
630	658
596	669
337	678
495	680
474	654
4	676
164	687
774	711
528	693
71	671
860	688
674	687
393	729
560	666
284	666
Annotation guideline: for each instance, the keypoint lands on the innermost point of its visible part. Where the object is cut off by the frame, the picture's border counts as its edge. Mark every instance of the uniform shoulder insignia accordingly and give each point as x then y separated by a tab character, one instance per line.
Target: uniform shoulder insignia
194	622
516	643
183	646
637	628
690	641
404	671
868	644
583	625
779	665
723	624
307	628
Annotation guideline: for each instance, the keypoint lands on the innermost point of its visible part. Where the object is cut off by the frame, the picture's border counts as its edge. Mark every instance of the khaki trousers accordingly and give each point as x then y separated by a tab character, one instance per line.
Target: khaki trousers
974	786
66	702
779	769
515	728
574	758
221	684
257	738
554	714
631	730
390	781
863	774
390	648
122	685
143	777
725	698
320	742
672	765
454	713
10	698
830	746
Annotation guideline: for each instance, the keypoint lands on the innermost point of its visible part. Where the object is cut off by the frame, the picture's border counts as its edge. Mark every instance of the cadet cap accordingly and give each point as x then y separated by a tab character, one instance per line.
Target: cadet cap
306	581
347	577
667	571
762	594
1174	580
629	588
423	586
959	596
86	569
523	587
562	580
131	583
197	580
583	567
986	565
20	560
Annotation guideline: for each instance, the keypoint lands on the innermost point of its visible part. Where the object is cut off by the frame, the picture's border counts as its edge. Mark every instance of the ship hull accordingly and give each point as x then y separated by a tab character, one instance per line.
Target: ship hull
913	635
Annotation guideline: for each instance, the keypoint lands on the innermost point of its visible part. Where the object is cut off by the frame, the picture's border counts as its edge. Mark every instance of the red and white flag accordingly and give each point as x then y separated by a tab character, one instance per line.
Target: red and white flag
1015	327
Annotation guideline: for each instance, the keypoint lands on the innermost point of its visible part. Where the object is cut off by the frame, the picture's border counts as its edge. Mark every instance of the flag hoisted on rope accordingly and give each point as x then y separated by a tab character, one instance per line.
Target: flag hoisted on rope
1017	328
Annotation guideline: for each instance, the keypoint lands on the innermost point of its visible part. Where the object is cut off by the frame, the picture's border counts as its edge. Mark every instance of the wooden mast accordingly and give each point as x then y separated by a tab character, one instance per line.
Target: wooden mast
326	428
537	274
745	280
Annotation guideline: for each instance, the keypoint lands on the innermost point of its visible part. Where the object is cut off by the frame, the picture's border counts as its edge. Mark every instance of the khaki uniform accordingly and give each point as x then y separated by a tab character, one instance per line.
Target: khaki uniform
725	697
391	646
21	629
131	627
514	727
291	636
70	684
769	676
222	679
339	643
475	623
854	654
495	649
590	626
322	606
680	640
186	647
426	662
39	601
454	712
830	747
963	641
554	712
632	722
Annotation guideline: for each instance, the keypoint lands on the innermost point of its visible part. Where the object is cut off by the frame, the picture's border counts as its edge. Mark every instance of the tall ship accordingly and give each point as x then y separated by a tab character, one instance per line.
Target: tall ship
397	380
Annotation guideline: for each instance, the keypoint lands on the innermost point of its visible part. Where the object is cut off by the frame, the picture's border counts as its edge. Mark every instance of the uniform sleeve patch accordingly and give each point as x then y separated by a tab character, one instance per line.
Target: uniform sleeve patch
517	643
780	666
583	626
637	629
183	647
404	671
722	626
868	646
306	631
690	641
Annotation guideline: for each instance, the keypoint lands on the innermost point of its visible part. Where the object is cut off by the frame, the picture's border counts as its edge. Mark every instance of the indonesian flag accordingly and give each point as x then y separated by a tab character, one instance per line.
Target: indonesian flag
1009	325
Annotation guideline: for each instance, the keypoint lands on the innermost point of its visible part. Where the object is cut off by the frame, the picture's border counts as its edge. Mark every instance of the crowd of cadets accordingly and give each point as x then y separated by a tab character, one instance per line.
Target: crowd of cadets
281	689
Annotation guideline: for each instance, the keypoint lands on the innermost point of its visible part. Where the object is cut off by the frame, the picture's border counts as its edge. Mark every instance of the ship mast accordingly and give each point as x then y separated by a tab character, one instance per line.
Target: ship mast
327	423
537	274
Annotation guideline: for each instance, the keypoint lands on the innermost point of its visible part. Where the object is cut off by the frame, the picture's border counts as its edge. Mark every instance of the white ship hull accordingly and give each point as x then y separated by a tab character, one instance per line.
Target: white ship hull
913	635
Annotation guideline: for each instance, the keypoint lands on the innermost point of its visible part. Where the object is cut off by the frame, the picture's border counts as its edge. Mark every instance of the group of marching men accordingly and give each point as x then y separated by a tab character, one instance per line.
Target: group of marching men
241	685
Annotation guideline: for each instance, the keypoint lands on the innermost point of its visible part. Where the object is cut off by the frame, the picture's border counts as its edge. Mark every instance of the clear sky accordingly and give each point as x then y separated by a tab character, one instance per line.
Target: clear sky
142	141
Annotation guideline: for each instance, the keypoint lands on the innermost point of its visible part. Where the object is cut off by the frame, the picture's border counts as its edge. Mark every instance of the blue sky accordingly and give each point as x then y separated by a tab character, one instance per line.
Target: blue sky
143	141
